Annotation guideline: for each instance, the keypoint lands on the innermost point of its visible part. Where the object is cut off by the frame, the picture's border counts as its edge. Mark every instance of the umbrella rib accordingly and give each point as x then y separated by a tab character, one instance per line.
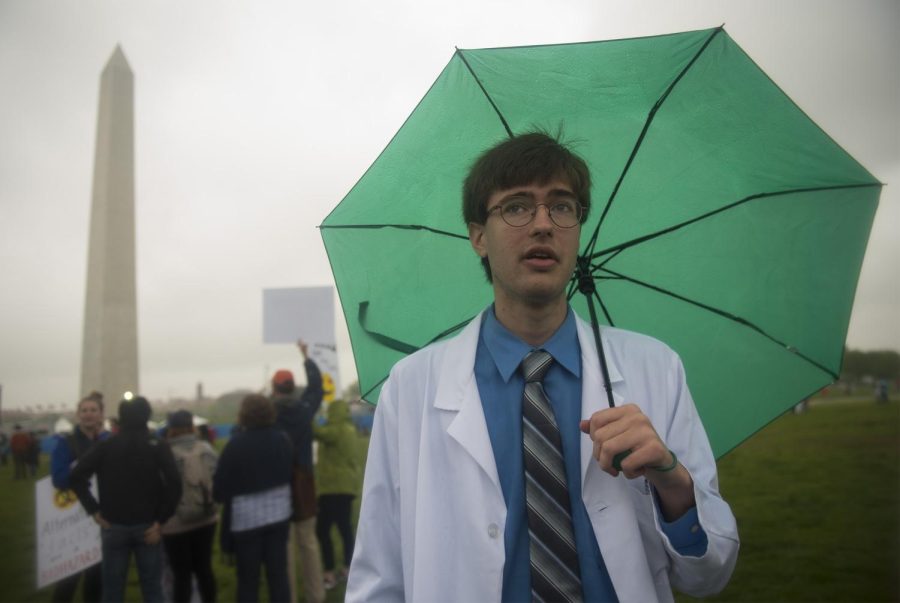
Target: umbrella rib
396	344
398	226
616	249
640	140
573	289
385	340
462	57
365	396
729	316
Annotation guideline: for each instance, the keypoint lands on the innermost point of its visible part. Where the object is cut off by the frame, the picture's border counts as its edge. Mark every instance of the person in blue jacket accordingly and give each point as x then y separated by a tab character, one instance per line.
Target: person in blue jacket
68	448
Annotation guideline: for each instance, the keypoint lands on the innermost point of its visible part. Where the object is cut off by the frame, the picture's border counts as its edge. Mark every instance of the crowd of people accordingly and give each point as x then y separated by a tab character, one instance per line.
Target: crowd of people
161	496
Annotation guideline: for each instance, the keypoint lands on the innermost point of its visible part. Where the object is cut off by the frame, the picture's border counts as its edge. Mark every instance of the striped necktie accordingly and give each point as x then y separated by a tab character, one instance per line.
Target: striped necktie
555	575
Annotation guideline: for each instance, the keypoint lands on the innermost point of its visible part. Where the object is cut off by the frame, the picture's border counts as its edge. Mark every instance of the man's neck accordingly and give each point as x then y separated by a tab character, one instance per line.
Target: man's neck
532	324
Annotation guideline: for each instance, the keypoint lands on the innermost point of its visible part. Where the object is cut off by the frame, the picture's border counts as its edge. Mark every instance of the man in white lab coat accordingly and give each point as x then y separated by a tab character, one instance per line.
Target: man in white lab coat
443	515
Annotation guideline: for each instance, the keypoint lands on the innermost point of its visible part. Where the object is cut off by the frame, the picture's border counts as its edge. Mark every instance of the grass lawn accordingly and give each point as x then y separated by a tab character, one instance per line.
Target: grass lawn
817	498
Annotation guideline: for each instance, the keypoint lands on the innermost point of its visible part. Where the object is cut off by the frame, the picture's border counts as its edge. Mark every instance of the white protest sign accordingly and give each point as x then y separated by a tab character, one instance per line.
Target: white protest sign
68	540
305	313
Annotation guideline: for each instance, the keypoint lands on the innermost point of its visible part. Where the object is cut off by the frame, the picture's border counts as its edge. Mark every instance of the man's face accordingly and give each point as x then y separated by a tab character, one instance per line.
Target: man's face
531	264
90	417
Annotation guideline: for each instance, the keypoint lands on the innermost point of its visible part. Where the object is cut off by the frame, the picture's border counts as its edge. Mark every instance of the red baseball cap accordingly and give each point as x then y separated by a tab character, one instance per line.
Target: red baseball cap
282	377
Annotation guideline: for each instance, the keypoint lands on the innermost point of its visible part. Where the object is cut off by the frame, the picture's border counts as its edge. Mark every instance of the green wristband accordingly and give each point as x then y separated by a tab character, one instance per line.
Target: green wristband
668	467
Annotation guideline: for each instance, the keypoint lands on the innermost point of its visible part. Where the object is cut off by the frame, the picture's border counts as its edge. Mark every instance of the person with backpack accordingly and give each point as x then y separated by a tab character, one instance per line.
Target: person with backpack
188	535
139	487
68	449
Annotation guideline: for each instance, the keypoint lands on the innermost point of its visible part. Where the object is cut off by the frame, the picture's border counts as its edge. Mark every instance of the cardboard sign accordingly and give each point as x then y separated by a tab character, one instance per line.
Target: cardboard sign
68	540
305	313
299	313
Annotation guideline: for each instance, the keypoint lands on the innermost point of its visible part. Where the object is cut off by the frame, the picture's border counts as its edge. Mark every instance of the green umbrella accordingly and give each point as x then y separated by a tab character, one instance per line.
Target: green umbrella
724	221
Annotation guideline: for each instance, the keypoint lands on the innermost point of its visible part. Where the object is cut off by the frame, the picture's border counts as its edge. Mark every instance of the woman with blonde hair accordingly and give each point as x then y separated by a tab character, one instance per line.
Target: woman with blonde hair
68	449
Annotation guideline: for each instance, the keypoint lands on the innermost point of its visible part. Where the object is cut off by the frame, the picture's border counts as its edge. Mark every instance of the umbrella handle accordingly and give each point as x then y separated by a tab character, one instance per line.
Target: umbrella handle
617	460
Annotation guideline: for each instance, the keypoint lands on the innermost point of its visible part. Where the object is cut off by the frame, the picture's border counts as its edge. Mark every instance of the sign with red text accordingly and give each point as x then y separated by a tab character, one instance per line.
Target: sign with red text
68	540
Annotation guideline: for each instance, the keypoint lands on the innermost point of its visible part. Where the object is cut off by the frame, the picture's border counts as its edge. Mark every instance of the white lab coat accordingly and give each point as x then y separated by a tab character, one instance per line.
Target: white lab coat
432	516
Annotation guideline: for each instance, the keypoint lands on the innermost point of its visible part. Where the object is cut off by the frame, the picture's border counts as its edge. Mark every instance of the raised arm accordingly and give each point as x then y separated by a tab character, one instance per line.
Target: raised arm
313	394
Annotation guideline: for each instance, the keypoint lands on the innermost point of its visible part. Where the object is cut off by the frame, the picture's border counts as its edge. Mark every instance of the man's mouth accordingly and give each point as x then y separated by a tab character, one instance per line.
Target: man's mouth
540	257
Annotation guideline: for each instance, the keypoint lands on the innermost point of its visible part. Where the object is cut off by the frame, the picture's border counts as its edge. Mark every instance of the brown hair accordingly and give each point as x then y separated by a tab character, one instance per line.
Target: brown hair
530	158
256	411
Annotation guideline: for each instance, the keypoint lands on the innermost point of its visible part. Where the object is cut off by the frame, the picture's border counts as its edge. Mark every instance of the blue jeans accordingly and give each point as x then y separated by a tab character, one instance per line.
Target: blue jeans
265	546
119	541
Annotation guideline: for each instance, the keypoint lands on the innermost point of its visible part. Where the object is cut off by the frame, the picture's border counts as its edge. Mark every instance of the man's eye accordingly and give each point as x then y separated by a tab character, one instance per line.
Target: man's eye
515	208
564	207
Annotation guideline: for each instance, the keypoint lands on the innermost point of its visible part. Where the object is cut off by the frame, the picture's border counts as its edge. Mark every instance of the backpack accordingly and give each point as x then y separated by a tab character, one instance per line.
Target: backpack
196	502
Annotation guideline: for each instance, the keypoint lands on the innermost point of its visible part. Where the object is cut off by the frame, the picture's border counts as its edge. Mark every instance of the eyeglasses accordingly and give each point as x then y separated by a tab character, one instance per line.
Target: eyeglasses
565	212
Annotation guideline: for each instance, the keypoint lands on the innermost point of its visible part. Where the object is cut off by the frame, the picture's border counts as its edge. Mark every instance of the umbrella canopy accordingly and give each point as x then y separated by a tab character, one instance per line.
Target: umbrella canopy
723	221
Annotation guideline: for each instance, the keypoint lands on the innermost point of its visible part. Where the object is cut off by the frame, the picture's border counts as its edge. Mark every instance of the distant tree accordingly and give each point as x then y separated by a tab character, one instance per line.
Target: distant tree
351	392
225	408
882	364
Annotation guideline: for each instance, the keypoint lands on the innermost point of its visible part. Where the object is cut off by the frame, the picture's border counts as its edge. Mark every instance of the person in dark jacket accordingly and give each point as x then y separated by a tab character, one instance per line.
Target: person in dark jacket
253	479
68	449
295	412
139	487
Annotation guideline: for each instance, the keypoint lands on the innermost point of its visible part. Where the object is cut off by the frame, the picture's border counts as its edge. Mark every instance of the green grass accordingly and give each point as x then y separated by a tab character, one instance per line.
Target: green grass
817	499
816	496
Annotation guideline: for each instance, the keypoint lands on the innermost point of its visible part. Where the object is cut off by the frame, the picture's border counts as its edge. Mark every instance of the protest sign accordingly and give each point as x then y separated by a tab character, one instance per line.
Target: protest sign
68	540
305	313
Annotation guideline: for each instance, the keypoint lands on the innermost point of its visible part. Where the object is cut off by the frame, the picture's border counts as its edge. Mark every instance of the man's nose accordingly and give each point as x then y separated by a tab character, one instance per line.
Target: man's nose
542	220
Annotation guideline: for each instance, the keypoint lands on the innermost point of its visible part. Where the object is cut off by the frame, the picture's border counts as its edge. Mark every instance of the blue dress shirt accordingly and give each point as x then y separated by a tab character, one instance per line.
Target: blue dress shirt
501	385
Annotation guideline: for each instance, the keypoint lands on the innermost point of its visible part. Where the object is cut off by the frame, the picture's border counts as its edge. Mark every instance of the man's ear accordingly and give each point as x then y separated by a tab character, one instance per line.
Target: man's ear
476	238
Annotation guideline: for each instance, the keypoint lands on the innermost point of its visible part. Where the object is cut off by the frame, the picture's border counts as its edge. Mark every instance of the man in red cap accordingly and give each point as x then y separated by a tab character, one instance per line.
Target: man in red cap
295	411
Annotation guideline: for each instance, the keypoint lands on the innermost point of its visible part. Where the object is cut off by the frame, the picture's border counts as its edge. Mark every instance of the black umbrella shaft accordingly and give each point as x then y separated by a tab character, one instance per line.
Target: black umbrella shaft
588	288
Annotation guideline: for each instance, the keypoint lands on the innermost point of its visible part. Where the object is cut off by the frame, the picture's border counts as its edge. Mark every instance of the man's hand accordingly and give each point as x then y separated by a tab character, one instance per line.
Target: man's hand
153	534
622	429
303	348
98	519
625	429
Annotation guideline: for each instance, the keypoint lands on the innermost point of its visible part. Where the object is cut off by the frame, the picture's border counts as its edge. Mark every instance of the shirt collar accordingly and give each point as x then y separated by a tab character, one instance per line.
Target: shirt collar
507	350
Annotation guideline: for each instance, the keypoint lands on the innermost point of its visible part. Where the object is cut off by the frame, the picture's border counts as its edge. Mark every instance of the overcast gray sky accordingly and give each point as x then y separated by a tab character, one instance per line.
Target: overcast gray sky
253	119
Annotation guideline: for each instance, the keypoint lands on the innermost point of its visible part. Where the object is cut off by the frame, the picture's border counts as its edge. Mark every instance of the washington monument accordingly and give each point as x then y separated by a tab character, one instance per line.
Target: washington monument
109	361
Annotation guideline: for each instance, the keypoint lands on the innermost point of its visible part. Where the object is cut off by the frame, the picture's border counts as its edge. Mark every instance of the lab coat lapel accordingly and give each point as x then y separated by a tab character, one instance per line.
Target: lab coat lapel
457	392
606	498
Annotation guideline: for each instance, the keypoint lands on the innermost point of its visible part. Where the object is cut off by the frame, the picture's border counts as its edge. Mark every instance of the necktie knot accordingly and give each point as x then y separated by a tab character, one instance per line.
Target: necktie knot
535	365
